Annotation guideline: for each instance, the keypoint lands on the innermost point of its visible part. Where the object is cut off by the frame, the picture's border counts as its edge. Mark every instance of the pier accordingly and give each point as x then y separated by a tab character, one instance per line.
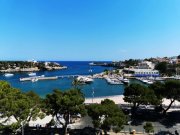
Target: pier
36	78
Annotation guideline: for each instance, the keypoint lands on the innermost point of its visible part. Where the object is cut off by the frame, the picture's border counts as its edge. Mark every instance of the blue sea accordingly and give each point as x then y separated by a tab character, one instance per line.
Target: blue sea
99	86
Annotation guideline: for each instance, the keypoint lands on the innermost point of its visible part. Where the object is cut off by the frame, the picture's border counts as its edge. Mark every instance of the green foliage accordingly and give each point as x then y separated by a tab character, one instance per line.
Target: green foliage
139	95
116	71
107	115
162	67
148	127
23	107
178	56
169	90
4	65
66	103
131	62
76	83
106	72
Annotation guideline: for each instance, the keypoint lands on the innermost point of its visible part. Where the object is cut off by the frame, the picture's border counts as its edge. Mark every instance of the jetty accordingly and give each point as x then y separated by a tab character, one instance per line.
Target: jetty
36	78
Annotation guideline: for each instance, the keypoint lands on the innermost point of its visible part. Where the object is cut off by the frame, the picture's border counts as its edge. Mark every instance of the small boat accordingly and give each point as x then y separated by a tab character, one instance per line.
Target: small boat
90	70
126	81
144	81
8	75
32	74
91	64
113	81
34	80
150	82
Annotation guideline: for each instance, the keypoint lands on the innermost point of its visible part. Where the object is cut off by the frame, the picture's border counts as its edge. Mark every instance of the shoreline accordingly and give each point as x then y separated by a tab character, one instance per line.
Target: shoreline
118	99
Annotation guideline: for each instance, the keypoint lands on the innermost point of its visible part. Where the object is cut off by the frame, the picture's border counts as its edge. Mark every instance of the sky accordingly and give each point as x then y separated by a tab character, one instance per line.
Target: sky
83	30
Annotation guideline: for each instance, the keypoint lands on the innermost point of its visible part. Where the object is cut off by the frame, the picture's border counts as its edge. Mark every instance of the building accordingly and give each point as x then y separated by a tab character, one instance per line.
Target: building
145	65
142	72
144	69
178	60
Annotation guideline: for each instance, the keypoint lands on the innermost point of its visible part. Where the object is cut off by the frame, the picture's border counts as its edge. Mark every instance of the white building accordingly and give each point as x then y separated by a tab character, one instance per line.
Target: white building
146	65
142	72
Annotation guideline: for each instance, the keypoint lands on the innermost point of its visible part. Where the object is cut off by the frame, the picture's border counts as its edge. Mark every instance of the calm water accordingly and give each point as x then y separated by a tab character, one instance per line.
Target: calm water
101	88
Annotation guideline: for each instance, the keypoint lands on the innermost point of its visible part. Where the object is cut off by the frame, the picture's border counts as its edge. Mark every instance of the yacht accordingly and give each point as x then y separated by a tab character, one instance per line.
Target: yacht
84	79
113	81
8	75
32	74
126	81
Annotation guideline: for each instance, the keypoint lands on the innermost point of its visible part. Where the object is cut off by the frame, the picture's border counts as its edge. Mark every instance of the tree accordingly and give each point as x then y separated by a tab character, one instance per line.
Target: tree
76	83
178	57
158	88
172	92
162	67
65	105
106	72
169	90
148	127
107	115
22	106
139	95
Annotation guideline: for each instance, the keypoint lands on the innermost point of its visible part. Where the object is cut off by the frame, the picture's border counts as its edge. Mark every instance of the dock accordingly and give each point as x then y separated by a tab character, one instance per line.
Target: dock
42	77
36	78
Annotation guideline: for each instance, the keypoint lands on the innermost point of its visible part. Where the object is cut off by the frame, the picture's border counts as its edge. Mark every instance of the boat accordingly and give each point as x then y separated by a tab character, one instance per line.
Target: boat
150	82
113	81
159	79
90	70
34	80
144	81
8	75
125	81
84	80
32	74
91	64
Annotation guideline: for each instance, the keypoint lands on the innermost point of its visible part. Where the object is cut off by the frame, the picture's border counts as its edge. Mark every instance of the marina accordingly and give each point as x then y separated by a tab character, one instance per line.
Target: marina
103	84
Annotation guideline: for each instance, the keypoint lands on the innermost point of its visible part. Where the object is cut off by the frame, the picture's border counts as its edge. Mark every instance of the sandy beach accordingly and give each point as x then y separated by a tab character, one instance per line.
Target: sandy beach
118	99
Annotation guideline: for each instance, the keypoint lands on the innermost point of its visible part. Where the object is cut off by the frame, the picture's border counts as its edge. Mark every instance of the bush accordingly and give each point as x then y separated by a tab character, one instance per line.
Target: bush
148	127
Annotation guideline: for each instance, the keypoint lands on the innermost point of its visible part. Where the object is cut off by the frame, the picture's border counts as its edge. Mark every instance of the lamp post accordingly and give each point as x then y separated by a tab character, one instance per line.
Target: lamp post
92	95
22	124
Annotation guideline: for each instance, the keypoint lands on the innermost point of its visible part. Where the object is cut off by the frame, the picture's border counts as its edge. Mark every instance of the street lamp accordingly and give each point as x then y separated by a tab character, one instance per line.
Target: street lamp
22	124
92	95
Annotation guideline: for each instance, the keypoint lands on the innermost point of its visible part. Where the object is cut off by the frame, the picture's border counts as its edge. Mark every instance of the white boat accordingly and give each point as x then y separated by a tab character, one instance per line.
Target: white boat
8	75
84	79
91	64
145	81
126	81
90	70
113	81
34	80
150	82
32	74
159	79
